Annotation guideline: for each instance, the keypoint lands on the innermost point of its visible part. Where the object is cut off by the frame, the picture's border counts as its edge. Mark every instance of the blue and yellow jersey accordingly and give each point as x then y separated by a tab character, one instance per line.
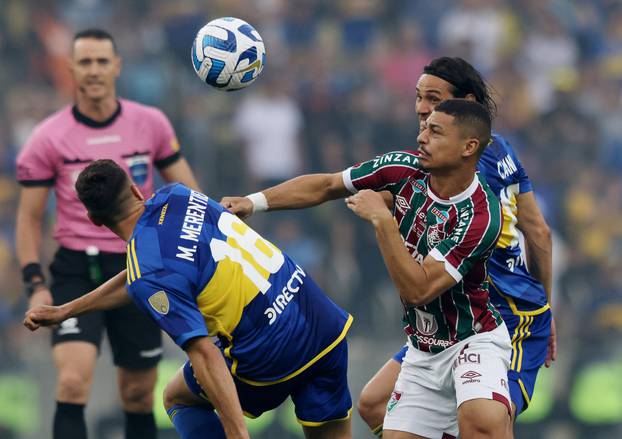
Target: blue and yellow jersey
506	267
198	270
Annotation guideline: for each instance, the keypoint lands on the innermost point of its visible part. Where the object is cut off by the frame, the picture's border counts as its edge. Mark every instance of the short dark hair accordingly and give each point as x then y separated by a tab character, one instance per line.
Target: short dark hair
464	79
103	187
472	117
97	34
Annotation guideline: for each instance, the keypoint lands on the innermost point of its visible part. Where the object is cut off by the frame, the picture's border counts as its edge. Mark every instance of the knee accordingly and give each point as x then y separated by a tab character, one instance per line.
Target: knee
137	396
485	425
170	398
73	387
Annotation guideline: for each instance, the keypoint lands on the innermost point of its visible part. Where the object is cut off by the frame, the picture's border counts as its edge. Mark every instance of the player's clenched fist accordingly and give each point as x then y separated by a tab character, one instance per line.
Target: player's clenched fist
240	206
44	315
369	205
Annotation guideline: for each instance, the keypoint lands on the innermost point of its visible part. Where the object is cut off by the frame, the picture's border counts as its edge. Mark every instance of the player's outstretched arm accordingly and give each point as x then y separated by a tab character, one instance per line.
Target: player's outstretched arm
216	381
299	192
111	294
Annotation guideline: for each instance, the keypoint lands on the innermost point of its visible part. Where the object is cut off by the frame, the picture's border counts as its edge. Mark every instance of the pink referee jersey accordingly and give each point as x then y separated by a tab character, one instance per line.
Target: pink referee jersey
137	137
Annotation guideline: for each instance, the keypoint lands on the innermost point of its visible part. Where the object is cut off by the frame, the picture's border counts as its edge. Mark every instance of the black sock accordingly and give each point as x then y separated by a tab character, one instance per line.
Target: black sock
140	426
69	421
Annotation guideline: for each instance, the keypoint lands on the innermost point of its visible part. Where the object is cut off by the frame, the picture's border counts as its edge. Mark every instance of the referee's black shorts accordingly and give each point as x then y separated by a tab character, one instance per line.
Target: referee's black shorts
136	341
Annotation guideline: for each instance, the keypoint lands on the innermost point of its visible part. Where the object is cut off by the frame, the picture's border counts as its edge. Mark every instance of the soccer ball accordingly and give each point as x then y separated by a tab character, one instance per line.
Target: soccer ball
228	53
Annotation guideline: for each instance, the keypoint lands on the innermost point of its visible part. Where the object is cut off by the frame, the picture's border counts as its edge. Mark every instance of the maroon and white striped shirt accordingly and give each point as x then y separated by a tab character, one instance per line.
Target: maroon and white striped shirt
461	232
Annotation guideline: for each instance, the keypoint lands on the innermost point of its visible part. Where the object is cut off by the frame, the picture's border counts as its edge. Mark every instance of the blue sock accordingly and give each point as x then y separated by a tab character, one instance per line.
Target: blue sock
195	421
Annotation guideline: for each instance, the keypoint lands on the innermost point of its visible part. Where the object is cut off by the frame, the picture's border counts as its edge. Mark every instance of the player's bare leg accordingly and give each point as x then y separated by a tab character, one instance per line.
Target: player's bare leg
177	392
75	365
330	430
394	434
372	404
136	389
192	416
484	418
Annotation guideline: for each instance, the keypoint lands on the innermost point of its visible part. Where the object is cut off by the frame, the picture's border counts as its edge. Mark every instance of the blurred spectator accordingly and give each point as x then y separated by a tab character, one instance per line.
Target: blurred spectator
270	123
476	30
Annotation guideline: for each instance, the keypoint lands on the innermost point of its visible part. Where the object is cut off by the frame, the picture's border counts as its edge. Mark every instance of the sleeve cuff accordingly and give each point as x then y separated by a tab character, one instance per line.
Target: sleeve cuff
347	181
183	338
453	272
35	183
163	163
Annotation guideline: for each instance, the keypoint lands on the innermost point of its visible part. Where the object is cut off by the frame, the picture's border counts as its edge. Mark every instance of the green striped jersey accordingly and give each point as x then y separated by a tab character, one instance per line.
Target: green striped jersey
461	232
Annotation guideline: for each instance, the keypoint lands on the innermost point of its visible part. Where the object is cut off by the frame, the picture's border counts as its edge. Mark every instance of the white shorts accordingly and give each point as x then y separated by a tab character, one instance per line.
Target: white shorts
431	387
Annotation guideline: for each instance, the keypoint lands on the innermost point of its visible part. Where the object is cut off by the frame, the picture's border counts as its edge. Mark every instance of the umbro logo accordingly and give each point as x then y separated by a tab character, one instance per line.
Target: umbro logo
470	375
401	204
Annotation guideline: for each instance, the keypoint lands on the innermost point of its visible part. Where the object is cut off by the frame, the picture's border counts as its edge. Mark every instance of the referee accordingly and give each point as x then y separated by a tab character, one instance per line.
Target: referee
139	138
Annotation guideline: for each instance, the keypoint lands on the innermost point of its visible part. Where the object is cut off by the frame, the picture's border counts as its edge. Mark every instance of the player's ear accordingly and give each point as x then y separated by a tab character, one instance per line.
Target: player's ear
470	97
94	220
137	193
471	147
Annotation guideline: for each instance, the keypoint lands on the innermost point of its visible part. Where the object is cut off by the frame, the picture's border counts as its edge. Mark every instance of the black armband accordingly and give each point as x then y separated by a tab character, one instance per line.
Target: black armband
33	277
32	270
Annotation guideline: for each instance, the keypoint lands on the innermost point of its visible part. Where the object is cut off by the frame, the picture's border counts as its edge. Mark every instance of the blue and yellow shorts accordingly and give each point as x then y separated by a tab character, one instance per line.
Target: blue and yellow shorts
529	327
320	393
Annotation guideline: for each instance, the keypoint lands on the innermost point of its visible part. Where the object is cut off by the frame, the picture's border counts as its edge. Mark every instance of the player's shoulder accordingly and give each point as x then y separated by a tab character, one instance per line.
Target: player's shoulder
484	198
499	148
152	240
405	158
168	200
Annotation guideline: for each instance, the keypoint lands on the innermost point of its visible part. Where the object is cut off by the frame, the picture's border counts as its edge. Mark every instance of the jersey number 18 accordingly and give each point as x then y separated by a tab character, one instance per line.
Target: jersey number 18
261	256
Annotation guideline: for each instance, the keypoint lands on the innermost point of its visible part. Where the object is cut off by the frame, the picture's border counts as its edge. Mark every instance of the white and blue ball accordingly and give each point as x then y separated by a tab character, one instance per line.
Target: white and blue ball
228	53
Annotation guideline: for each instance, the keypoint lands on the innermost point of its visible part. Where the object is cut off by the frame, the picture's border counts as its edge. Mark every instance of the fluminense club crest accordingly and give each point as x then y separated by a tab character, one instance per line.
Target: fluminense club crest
395	398
436	234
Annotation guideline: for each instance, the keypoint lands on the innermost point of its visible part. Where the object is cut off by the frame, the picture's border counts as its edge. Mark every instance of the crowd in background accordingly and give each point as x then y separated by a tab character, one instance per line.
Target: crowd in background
338	88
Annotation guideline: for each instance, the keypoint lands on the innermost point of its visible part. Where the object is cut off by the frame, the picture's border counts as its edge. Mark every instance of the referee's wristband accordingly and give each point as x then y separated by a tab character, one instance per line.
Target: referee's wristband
31	271
32	275
260	203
